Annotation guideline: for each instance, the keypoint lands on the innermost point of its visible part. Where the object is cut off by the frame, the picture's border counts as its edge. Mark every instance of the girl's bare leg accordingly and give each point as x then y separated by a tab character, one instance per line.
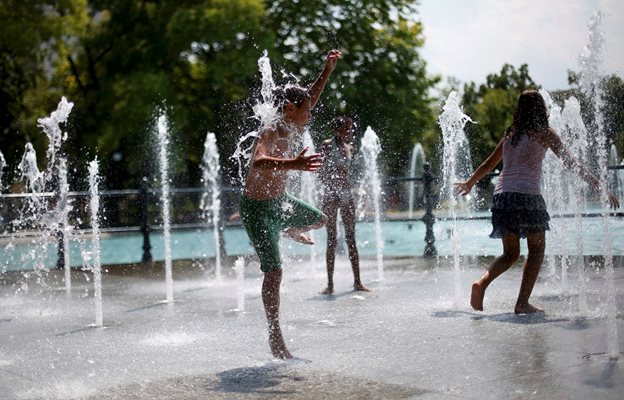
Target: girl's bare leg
348	219
536	242
330	256
511	252
271	300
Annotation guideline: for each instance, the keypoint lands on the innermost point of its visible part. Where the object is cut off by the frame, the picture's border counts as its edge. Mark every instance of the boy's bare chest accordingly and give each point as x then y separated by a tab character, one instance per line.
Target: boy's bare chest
279	146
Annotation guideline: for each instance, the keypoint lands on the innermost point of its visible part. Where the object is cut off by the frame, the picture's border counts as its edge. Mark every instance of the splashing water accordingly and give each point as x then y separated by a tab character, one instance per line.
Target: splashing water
51	127
94	182
308	191
616	182
211	202
29	171
370	149
264	111
553	192
30	216
64	228
239	267
163	158
36	214
3	165
456	167
576	139
590	60
417	168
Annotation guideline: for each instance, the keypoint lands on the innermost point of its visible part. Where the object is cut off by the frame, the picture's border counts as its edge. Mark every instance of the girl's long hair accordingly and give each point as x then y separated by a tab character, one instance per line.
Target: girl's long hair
530	114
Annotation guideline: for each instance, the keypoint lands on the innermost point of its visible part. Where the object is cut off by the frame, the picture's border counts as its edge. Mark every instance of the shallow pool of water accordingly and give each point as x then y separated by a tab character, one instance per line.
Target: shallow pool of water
401	239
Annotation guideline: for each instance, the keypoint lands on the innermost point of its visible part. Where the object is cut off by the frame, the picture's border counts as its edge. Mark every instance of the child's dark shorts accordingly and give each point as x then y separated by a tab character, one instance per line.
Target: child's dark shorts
518	213
264	220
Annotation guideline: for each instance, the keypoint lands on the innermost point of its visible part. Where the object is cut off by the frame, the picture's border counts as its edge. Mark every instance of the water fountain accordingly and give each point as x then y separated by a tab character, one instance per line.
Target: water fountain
370	149
3	165
591	60
576	138
96	268
616	181
309	192
417	163
553	178
42	217
210	202
239	267
64	229
163	159
265	113
31	212
456	167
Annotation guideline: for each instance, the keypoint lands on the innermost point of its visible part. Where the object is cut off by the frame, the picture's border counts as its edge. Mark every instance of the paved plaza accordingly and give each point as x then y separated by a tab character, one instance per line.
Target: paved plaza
412	337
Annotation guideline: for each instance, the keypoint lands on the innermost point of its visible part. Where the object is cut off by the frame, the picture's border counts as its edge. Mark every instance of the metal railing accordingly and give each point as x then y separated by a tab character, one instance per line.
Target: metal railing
143	193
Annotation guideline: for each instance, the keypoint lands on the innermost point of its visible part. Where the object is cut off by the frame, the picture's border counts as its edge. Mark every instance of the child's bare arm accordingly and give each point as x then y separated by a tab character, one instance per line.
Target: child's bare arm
486	166
302	162
317	87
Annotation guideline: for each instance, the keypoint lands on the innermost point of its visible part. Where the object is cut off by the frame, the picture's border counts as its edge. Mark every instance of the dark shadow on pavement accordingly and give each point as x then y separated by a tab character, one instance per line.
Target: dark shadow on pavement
608	378
527	319
453	314
523	319
261	380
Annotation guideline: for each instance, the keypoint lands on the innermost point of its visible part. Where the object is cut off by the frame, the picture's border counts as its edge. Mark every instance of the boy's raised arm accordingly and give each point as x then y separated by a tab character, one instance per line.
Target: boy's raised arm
317	87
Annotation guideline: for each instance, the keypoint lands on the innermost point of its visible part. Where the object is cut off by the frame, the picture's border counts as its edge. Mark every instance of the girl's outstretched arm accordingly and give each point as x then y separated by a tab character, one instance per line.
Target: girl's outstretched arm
486	166
556	145
318	85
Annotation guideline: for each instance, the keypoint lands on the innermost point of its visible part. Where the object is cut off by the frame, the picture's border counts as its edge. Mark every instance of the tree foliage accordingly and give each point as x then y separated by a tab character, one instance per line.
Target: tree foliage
381	80
121	60
491	105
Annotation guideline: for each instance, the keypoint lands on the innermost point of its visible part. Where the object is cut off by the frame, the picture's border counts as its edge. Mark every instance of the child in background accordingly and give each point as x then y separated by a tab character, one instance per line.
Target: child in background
338	195
518	209
266	209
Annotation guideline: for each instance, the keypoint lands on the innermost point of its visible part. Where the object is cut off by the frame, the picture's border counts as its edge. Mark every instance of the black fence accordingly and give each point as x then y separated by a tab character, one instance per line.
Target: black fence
139	210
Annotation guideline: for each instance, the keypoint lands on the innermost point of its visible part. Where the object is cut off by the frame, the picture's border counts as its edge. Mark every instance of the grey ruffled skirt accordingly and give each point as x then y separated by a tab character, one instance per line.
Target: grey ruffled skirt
518	213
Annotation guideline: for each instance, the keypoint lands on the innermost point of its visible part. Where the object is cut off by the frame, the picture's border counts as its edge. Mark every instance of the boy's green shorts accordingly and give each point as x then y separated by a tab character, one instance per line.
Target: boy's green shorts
264	220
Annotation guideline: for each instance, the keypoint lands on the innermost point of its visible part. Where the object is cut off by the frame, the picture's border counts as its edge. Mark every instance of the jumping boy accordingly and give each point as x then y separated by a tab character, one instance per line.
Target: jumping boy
266	209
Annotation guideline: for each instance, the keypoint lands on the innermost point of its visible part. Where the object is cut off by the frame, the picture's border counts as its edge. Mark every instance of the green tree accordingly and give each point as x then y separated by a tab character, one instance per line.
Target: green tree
381	80
24	54
120	60
492	105
612	89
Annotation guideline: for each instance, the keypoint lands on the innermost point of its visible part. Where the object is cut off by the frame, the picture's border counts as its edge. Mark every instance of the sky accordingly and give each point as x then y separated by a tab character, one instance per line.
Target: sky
469	39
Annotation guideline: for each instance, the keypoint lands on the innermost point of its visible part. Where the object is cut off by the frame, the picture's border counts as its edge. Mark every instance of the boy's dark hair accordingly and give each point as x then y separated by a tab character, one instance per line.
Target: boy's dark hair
292	94
530	114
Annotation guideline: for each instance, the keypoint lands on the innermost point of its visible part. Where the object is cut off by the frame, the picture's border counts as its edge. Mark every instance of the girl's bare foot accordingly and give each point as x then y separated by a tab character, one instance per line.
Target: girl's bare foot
329	290
476	296
360	288
278	348
298	236
527	309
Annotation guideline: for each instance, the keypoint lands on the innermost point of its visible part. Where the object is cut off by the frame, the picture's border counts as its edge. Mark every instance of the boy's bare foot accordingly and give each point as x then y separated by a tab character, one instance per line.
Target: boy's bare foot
527	309
329	290
476	296
278	348
360	288
297	236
